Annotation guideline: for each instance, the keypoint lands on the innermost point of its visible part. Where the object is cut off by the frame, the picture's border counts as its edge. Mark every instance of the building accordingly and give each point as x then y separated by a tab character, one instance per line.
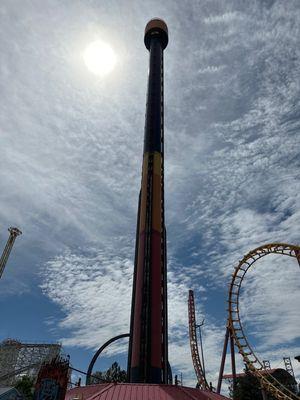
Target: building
10	393
140	391
17	359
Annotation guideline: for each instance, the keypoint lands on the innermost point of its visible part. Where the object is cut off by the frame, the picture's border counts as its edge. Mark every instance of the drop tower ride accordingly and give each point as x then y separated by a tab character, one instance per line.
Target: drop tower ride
148	346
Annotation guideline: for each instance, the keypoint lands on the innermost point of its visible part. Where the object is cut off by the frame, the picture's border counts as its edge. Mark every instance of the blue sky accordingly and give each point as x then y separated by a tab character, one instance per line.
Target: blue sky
71	163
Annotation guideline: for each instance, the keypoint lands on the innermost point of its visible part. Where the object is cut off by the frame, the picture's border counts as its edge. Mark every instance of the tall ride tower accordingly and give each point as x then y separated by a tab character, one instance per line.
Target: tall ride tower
148	348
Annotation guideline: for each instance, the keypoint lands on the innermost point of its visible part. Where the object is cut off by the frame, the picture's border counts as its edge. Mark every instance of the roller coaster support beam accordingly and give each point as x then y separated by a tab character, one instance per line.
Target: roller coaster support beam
201	346
221	372
232	360
297	252
228	336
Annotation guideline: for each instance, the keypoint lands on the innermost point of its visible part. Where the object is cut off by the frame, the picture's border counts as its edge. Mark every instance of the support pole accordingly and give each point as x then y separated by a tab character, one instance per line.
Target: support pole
223	360
232	361
201	345
298	256
148	348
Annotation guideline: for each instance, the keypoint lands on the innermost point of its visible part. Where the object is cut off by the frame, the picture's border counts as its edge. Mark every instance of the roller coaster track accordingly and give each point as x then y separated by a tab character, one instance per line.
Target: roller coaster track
19	371
194	345
268	382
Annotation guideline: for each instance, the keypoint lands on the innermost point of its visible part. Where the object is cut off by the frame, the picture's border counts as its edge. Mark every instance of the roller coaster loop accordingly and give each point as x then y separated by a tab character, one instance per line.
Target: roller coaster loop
255	366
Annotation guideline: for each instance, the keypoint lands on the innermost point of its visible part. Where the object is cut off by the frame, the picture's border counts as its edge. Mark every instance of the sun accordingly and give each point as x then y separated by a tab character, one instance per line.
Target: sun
100	58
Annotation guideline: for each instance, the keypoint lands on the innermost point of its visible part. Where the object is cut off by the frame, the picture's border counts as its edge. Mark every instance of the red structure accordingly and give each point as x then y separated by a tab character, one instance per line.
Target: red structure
148	349
126	391
52	380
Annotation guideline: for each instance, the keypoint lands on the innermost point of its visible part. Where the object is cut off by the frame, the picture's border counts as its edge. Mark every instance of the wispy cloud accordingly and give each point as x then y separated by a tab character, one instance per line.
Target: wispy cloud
211	69
227	17
70	172
94	290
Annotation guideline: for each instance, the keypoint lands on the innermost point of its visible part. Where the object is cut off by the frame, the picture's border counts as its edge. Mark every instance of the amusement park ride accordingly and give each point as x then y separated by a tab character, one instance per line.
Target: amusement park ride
13	233
148	371
149	374
235	332
148	338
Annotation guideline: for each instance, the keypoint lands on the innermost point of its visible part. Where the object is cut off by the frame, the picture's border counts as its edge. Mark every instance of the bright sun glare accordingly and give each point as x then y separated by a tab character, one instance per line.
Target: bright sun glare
99	57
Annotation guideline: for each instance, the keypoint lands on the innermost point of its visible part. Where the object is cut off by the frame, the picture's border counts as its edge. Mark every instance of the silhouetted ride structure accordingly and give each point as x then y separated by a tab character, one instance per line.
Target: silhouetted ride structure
13	233
199	368
148	342
148	368
235	332
16	358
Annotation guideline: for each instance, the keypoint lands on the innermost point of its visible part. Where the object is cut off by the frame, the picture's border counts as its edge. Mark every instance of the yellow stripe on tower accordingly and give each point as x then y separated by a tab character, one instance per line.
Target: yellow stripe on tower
157	163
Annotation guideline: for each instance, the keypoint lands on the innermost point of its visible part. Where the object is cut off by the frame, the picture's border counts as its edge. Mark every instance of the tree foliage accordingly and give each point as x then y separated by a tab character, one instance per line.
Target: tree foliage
25	386
113	374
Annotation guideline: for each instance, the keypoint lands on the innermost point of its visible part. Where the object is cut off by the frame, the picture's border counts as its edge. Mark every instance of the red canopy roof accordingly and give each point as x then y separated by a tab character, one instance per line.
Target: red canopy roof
133	391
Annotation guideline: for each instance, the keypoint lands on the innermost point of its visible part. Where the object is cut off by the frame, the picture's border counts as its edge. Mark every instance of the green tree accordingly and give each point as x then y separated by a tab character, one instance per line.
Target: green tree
25	386
97	377
113	374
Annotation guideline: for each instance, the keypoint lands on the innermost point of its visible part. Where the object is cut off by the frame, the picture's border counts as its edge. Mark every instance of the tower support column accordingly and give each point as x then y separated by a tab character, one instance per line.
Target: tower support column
148	358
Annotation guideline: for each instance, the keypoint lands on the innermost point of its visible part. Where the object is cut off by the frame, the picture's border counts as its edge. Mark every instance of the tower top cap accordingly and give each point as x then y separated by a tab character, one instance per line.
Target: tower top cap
158	28
14	231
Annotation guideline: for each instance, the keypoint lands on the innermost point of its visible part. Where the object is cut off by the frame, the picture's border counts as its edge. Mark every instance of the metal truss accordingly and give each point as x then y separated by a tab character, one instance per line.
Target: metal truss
194	345
255	366
288	366
266	364
16	358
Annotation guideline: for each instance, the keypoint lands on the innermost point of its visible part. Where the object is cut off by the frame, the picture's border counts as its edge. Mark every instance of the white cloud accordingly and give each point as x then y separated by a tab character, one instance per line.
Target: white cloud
211	69
94	291
70	172
227	17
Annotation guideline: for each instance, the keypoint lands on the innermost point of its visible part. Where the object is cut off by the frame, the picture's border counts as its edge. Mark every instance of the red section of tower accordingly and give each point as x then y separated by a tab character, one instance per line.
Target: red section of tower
148	357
